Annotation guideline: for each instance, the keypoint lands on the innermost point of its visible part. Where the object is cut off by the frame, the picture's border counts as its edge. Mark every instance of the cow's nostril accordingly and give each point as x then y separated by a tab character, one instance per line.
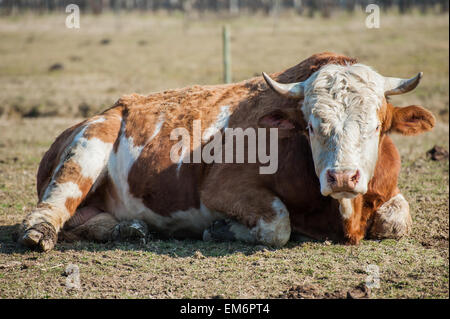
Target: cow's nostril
331	177
355	177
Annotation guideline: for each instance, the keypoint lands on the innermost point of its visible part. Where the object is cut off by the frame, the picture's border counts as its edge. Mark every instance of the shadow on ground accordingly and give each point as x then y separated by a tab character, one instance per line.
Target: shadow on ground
158	245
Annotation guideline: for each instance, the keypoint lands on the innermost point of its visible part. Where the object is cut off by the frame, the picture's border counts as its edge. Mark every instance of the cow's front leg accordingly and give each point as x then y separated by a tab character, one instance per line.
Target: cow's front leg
249	224
392	219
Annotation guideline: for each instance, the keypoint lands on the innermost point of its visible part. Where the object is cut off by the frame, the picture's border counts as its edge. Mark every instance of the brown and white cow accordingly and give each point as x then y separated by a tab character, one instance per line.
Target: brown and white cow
112	177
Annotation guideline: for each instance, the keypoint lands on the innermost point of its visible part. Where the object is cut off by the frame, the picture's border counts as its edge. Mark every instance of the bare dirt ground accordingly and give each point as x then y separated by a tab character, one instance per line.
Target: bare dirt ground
149	53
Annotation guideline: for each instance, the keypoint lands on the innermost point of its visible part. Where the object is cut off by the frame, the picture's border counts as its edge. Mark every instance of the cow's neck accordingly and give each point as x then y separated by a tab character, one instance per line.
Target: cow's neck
295	180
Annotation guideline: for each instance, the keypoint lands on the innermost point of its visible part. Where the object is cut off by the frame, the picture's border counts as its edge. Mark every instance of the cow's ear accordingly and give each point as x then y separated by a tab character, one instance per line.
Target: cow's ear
286	121
411	120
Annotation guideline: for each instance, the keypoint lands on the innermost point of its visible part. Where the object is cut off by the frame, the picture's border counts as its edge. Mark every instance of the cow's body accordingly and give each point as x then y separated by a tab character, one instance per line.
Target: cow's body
116	167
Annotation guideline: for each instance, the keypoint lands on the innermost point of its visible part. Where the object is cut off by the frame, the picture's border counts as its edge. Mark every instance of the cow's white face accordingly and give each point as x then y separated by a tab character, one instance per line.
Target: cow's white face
345	109
341	107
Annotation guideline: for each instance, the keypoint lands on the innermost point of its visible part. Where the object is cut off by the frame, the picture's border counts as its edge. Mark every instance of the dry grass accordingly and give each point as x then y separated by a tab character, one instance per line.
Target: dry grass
174	56
152	53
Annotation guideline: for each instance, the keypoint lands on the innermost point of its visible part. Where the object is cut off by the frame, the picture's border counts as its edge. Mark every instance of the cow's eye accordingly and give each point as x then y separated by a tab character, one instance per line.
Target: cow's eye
378	128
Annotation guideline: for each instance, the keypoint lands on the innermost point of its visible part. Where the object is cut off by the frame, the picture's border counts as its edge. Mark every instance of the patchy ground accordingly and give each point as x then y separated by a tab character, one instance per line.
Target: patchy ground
95	72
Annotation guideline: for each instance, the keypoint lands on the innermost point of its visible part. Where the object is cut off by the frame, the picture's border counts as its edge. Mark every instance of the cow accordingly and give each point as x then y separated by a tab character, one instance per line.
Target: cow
112	177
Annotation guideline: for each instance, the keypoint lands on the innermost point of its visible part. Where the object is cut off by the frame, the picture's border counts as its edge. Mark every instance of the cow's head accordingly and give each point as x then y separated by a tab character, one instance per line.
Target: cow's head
346	112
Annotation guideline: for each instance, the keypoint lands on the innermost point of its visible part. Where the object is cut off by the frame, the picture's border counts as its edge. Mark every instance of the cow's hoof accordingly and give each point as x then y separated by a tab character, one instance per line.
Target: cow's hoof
41	236
392	219
220	230
130	230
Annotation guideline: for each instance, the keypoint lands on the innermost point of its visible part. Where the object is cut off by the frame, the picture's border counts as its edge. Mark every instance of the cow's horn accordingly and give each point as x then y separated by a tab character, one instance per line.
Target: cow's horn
394	86
293	90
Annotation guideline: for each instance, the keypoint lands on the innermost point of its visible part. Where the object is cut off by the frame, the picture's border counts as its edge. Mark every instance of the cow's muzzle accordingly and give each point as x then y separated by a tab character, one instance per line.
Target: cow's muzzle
343	183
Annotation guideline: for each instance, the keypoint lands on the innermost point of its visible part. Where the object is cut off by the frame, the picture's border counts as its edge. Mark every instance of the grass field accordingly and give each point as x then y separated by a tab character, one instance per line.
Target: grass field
111	56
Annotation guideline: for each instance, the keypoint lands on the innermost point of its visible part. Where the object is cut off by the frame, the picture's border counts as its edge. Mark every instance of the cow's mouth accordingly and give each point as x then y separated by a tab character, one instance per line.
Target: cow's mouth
342	195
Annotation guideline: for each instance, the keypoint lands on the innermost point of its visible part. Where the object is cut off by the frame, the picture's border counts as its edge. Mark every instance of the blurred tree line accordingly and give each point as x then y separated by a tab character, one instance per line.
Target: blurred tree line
231	7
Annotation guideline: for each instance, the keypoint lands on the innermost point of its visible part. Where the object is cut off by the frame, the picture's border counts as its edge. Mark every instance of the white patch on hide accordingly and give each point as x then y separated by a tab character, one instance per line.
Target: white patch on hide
346	208
119	165
157	127
91	155
276	232
56	196
100	119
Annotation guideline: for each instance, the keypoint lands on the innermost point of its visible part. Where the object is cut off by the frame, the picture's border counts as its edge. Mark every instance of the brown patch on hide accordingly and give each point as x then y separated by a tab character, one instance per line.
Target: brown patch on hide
108	130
